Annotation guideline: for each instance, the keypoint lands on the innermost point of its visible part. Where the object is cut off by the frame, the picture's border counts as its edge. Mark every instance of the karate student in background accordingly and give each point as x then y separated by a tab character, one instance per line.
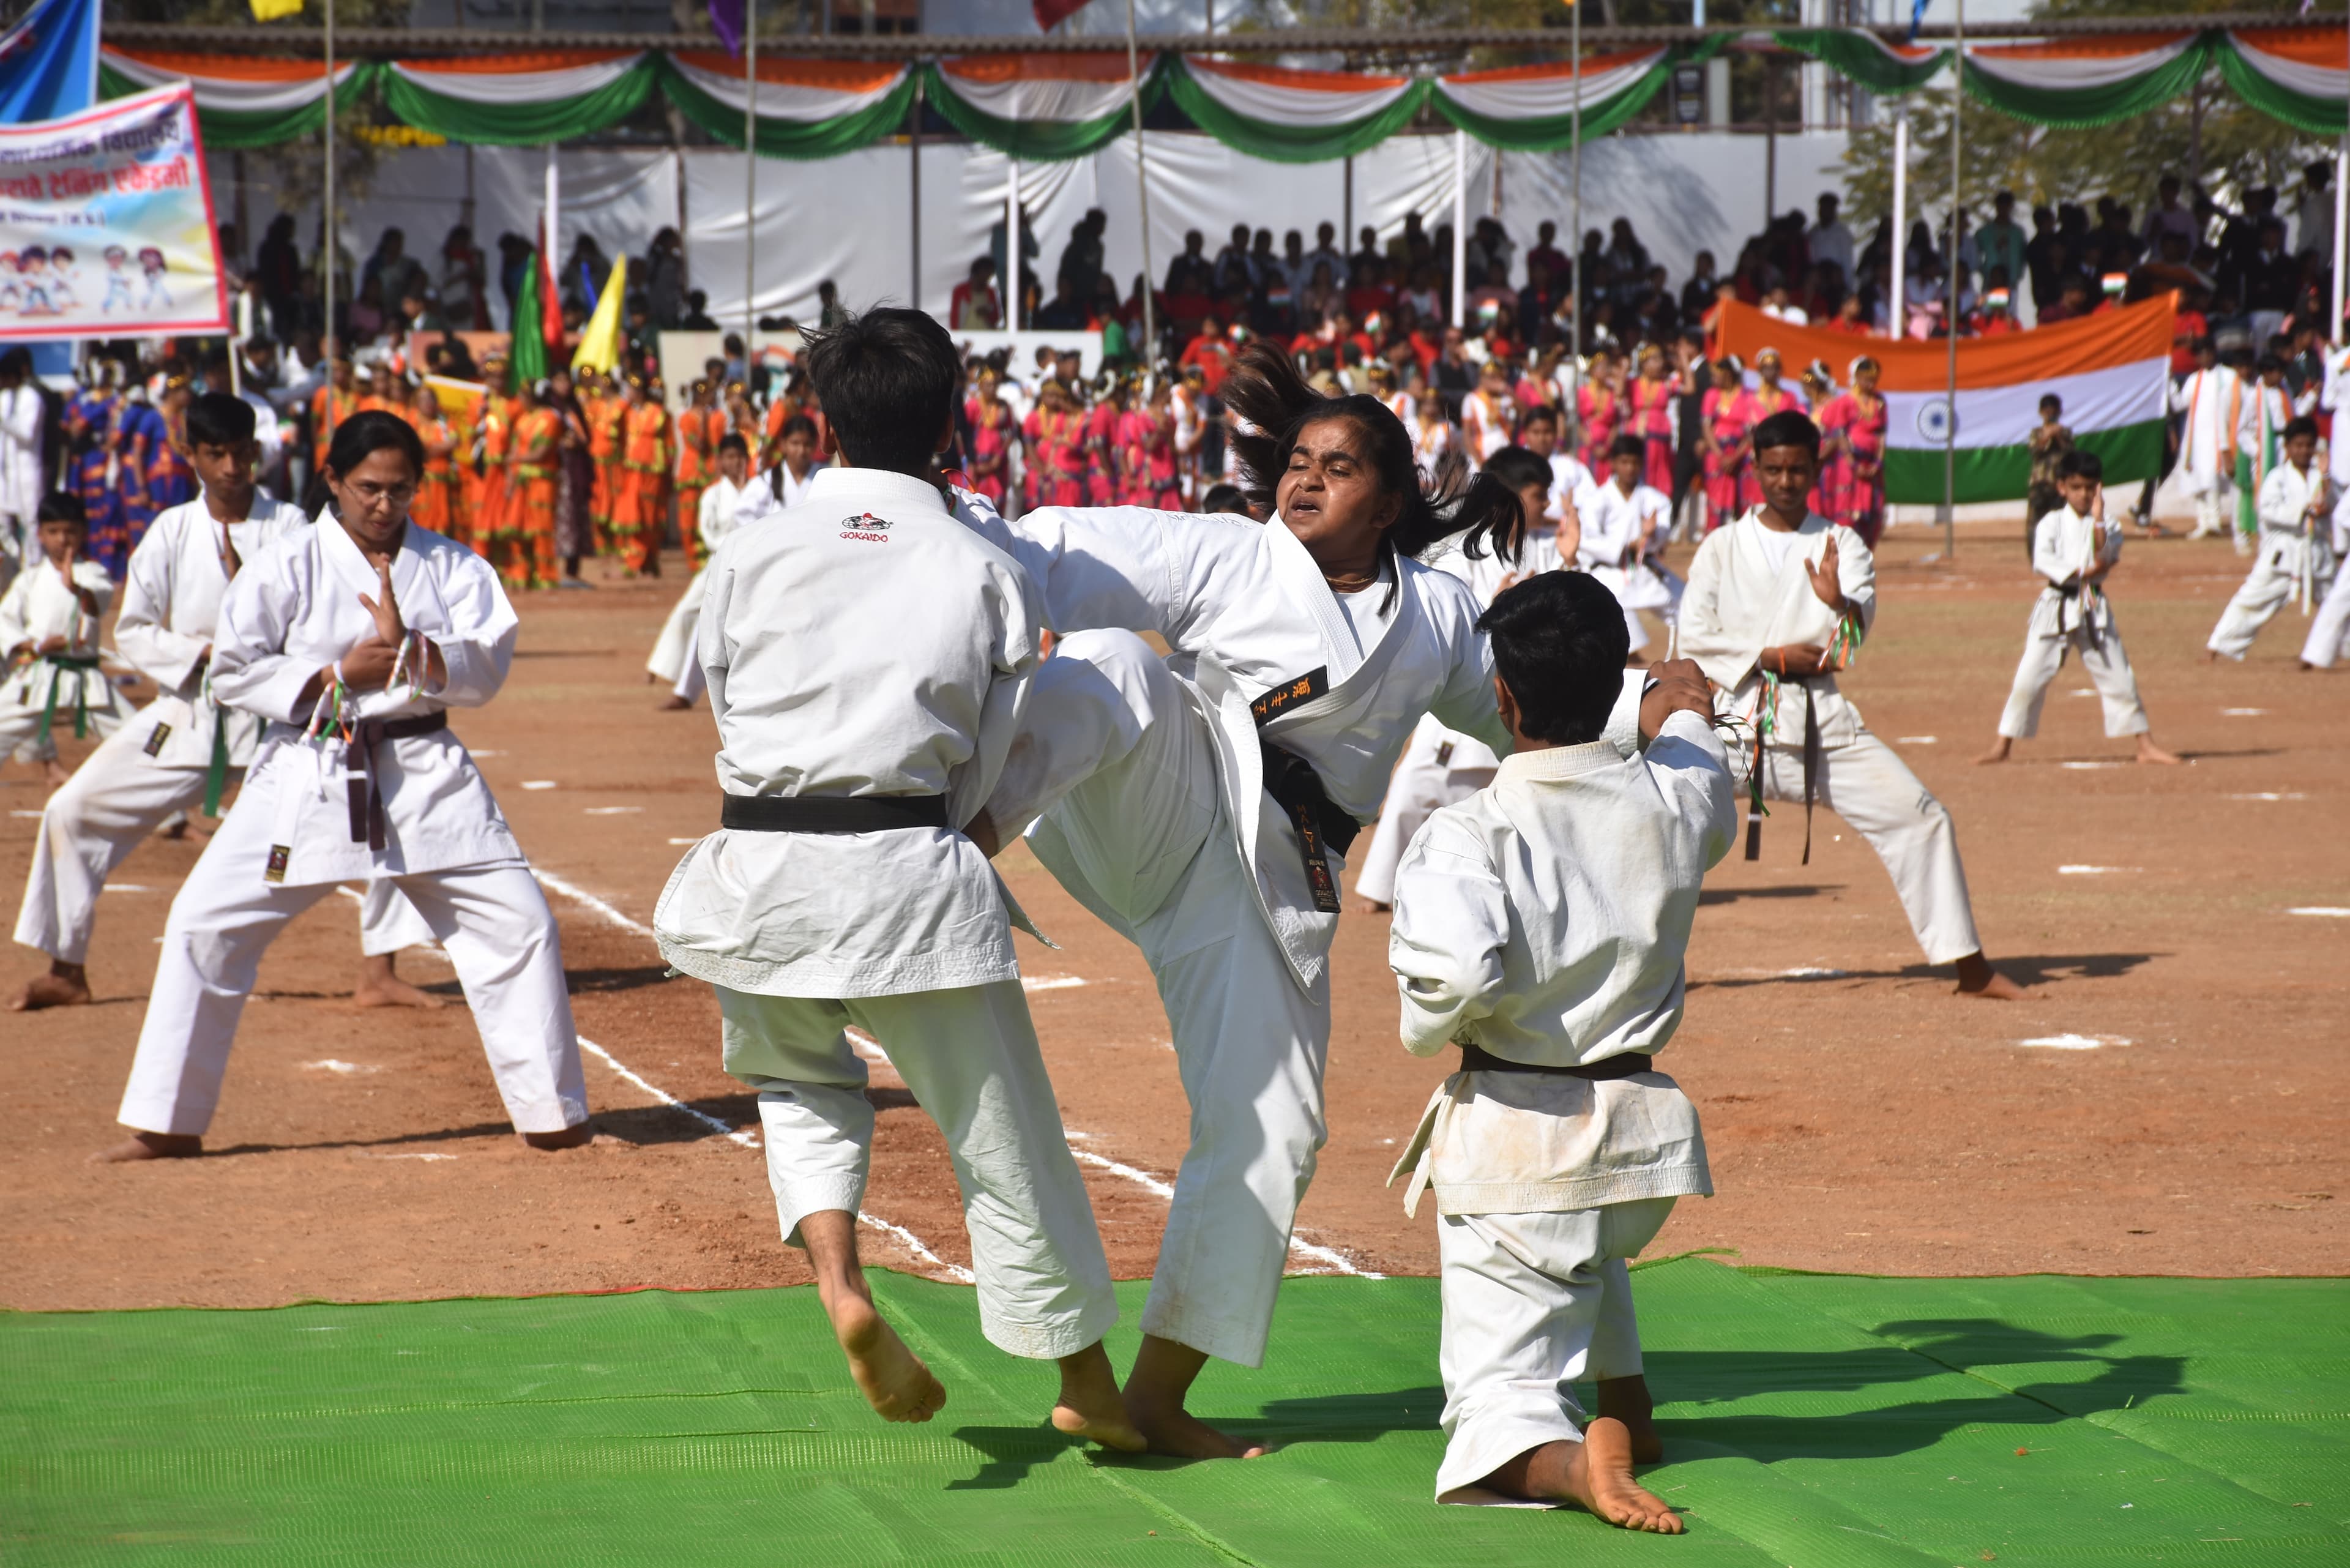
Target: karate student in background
1624	525
673	652
1779	601
183	750
353	638
2212	398
2296	558
1444	765
1540	925
839	890
2268	408
1202	804
2329	629
2074	549
768	494
50	638
1569	478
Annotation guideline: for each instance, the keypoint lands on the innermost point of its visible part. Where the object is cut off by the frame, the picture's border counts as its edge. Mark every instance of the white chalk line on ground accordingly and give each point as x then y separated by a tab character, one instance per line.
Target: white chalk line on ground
905	1238
2070	1042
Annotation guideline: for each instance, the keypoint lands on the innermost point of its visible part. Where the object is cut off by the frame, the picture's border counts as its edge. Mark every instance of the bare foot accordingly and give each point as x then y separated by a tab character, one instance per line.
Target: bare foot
1627	1399
892	1378
1089	1405
149	1146
673	703
1595	1474
379	986
1998	754
569	1137
65	985
2211	656
1155	1391
177	831
2147	752
1977	978
1363	906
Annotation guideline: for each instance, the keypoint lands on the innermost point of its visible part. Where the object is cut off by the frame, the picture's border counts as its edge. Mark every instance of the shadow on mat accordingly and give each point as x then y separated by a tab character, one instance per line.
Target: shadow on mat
630	978
1710	897
2024	970
649	1125
1012	1452
441	1135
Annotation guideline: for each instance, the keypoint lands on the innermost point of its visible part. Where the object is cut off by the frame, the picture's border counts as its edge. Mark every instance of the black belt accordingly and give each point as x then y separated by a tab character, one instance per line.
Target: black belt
2067	593
1811	770
366	789
831	812
1292	782
1476	1059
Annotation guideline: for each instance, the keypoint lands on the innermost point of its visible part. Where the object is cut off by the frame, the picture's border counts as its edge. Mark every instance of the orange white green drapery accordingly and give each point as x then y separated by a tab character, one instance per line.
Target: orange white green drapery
2111	368
1043	108
241	101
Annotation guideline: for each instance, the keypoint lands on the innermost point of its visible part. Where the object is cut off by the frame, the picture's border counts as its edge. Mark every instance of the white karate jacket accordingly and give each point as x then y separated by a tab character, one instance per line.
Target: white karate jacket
40	605
2063	546
1739	602
1545	919
2285	495
1615	523
1249	619
860	644
296	607
170	603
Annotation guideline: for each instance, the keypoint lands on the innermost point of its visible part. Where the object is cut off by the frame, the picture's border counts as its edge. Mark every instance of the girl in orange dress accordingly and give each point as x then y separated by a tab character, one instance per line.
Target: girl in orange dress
698	429
492	436
524	553
640	518
603	409
330	406
435	506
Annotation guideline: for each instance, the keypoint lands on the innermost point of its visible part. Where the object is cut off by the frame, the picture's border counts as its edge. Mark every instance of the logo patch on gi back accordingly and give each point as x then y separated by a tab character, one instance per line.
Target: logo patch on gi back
866	527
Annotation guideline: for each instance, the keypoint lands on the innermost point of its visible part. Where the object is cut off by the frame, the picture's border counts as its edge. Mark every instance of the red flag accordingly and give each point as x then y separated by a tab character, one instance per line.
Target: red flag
1050	13
550	299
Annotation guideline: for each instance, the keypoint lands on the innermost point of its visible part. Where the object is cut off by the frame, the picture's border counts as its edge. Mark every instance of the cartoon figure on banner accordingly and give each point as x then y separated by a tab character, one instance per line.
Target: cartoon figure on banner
62	280
118	283
158	293
33	266
12	298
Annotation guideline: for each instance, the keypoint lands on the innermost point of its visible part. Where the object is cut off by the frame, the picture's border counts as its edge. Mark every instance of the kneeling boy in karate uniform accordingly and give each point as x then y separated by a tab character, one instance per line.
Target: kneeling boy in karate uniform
354	638
1540	925
183	748
840	890
2073	549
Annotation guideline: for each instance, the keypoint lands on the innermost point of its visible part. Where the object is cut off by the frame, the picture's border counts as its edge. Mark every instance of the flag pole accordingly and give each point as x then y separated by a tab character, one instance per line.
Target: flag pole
326	333
1574	243
1142	192
1896	308
750	182
2341	227
1950	294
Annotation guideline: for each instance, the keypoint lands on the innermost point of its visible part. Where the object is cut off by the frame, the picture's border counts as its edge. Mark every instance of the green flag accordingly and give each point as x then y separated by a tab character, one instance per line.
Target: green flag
527	359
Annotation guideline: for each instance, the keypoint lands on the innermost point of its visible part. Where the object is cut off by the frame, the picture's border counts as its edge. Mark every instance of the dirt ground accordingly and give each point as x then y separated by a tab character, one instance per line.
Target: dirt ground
1859	1118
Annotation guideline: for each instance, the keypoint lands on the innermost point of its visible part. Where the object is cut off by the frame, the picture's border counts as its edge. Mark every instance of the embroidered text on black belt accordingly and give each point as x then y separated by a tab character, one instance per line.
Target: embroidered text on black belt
831	812
366	789
1289	694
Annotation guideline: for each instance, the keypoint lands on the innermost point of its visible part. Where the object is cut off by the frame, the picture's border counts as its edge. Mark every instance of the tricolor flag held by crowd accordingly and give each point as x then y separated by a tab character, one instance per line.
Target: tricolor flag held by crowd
2112	369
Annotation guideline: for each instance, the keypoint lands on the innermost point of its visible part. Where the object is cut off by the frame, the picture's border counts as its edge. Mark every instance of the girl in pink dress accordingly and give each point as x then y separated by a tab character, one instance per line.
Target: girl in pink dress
1649	408
1105	475
1726	456
1597	406
991	439
1147	450
1056	459
1852	446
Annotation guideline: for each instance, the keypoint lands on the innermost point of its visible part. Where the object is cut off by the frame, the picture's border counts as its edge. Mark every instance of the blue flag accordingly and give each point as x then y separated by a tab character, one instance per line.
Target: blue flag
1917	15
48	62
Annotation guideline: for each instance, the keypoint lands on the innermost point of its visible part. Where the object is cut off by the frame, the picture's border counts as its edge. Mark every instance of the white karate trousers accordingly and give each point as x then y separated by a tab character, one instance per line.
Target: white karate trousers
1424	783
2215	509
1532	1304
2270	584
115	799
1866	782
969	1056
20	723
2102	654
492	919
2330	628
675	648
1143	842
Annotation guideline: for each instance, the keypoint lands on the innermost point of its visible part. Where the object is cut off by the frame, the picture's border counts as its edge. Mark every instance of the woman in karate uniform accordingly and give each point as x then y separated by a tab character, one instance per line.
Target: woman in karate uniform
1173	797
353	638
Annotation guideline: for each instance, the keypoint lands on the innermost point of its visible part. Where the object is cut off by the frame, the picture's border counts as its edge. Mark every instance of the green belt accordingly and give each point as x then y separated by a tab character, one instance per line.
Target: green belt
58	664
216	773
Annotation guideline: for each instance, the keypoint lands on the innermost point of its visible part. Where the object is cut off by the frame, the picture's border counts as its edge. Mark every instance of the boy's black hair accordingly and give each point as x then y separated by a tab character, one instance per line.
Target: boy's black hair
2079	464
217	419
1541	413
63	506
1518	468
798	424
1627	445
1787	428
1559	645
732	441
2048	398
1226	498
2300	425
2266	363
888	379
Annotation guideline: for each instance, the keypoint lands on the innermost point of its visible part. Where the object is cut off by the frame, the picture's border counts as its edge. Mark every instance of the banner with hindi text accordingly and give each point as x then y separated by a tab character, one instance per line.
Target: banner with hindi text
106	218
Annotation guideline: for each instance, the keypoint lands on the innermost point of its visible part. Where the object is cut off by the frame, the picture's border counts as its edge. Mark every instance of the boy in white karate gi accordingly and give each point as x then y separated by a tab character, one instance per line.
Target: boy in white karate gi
2295	559
840	890
673	652
2329	629
1540	925
353	637
183	750
2268	408
1624	525
2073	548
1778	601
49	640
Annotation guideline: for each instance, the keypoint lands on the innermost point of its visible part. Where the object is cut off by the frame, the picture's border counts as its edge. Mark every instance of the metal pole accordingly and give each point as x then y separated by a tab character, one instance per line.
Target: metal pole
2340	231
1950	290
1770	140
914	148
1896	308
1460	230
750	184
553	239
1012	244
1347	213
1142	194
326	330
1574	221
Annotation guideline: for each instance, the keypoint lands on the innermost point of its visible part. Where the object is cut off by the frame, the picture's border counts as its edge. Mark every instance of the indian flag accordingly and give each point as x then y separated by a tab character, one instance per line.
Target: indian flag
2112	369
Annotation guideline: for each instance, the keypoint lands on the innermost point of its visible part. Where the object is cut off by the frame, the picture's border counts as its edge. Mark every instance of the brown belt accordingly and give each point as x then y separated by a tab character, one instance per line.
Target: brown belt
367	791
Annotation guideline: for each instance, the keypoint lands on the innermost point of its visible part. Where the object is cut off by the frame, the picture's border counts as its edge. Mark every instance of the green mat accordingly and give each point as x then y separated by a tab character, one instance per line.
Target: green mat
1815	1421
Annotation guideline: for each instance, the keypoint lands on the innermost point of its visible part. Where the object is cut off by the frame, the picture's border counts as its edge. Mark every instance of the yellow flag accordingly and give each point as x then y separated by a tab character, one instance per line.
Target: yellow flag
270	10
600	344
